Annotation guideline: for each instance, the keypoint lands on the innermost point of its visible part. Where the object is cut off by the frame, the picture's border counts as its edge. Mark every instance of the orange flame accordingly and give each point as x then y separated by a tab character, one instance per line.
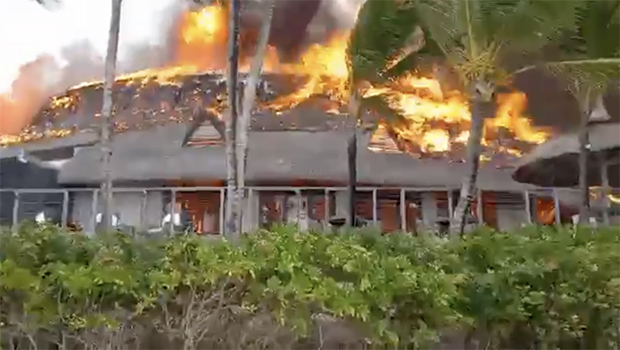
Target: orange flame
201	34
436	122
419	99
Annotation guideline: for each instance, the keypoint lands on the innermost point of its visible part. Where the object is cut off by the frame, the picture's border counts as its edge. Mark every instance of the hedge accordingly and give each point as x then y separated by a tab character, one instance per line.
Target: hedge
534	288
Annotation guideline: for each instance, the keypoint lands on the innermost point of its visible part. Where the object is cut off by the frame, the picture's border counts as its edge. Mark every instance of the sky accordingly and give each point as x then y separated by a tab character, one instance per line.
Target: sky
28	30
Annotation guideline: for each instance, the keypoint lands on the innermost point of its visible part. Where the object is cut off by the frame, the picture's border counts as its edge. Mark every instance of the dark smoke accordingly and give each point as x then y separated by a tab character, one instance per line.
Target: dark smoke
289	26
299	23
290	23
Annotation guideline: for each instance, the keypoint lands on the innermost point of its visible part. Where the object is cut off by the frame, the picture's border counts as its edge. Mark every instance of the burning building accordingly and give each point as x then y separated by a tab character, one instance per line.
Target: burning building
168	138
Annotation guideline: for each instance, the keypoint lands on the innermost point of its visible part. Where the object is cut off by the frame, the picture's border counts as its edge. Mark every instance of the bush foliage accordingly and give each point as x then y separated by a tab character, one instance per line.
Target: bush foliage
533	288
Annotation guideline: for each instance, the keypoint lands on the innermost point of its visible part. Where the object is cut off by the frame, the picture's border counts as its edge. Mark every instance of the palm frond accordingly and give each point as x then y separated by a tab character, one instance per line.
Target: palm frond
385	36
588	74
390	116
590	54
526	26
600	28
478	35
515	25
598	32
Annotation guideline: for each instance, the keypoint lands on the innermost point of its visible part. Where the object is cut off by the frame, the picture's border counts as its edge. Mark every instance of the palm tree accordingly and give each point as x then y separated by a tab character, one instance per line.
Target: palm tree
478	39
591	63
352	180
232	202
249	96
106	114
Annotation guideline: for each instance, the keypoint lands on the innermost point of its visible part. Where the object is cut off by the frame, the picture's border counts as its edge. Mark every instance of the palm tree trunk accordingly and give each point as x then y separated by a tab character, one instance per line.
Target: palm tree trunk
249	96
478	108
584	154
232	203
106	115
352	183
355	111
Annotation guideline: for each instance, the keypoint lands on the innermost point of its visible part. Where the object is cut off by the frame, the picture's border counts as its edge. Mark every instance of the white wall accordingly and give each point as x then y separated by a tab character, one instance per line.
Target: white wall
342	204
429	210
82	210
297	211
127	205
251	213
510	217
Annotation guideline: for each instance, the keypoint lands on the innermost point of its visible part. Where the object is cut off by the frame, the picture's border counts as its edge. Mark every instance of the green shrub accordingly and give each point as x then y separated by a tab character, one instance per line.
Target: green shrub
533	288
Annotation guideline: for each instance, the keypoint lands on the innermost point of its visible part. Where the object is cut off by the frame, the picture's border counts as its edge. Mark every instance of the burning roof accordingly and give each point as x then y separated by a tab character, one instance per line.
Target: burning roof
438	121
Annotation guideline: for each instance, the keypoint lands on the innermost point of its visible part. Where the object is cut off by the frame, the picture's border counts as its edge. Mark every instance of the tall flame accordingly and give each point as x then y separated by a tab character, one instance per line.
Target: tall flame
202	33
436	122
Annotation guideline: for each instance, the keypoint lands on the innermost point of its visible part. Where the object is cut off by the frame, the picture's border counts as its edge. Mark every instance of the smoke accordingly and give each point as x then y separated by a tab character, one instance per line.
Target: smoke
298	23
333	16
16	108
47	49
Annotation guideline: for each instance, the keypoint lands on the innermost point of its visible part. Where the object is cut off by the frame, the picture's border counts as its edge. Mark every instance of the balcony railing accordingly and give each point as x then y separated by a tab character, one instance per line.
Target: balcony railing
20	199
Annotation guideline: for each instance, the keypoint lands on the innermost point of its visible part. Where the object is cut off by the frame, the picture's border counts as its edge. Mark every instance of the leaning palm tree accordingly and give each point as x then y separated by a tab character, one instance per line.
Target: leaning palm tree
106	114
249	97
386	33
477	39
590	62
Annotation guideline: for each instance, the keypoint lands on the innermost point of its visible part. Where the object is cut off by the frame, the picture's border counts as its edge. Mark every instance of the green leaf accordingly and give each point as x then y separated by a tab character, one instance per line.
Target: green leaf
273	283
593	74
589	54
386	35
558	286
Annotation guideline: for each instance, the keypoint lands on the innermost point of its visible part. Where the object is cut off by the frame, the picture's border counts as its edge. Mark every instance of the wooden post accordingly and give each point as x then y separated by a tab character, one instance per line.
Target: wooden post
65	209
556	205
15	223
221	211
298	199
94	206
528	206
479	208
450	205
403	210
326	210
173	203
143	204
605	182
374	207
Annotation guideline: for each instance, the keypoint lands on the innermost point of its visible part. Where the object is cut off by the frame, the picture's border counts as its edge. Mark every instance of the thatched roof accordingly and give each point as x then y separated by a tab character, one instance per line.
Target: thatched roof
274	156
147	102
79	139
555	163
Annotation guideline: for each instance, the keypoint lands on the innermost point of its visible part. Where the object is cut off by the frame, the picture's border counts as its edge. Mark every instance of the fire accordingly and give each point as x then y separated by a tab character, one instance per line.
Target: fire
201	34
325	68
205	24
438	120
